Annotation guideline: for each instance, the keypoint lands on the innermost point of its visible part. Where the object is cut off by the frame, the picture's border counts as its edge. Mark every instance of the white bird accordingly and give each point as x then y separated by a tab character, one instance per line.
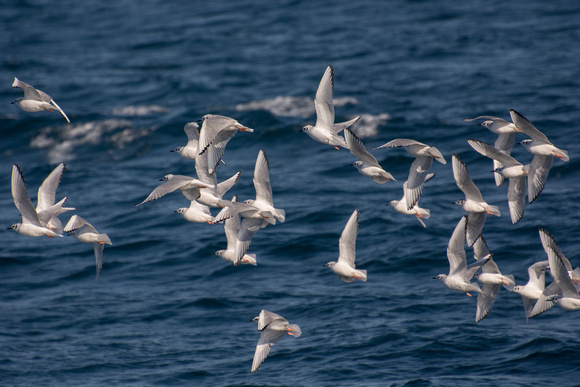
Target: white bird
216	131
505	139
460	274
33	224
563	290
401	205
424	155
533	289
196	213
212	195
190	150
345	267
35	100
188	186
232	230
325	130
490	278
544	152
45	206
473	204
273	327
84	232
368	164
510	169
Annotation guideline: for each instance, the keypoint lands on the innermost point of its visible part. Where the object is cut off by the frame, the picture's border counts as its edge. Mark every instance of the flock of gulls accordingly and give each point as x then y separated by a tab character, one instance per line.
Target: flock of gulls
242	219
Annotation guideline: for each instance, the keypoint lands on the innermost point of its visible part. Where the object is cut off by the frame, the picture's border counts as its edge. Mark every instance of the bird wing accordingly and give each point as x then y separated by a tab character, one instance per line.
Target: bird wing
475	222
29	91
248	228
167	187
417	176
98	256
537	175
47	190
346	124
456	248
347	241
212	125
517	198
262	179
266	317
537	274
226	185
397	142
76	223
267	340
480	249
323	103
493	153
561	276
357	148
485	300
191	129
485	118
526	127
22	198
53	103
463	180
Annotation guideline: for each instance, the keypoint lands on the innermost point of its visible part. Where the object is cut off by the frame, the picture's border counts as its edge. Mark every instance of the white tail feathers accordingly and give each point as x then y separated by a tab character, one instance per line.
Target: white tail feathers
362	274
294	330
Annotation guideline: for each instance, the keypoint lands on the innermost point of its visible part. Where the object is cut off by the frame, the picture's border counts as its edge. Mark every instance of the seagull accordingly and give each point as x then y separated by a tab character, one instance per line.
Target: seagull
548	242
325	130
189	151
213	194
473	203
533	289
189	187
46	197
424	155
368	164
505	139
33	224
84	232
216	131
345	268
232	230
273	327
35	100
460	274
196	213
566	294
490	278
401	205
510	169
544	152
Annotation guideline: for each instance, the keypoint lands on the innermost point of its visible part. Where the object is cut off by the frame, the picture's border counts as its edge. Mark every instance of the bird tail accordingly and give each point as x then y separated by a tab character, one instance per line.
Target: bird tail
494	210
425	213
362	274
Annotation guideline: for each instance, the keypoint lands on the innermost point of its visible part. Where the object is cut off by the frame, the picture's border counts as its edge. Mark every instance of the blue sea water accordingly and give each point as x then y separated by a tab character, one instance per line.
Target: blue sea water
165	310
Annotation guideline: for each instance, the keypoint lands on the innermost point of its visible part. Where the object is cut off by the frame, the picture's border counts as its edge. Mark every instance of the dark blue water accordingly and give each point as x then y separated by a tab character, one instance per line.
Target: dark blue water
166	311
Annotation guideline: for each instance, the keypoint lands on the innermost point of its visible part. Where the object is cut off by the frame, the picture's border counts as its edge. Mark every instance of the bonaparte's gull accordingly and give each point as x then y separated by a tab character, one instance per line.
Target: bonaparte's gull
544	152
189	187
46	198
505	139
424	155
232	230
216	131
401	205
273	327
35	100
473	204
460	274
490	278
345	267
196	213
84	232
511	169
190	150
33	223
325	130
567	296
212	195
533	289
368	164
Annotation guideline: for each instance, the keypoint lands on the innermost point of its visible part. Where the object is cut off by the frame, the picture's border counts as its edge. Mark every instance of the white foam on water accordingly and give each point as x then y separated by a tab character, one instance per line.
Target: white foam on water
286	106
147	110
368	124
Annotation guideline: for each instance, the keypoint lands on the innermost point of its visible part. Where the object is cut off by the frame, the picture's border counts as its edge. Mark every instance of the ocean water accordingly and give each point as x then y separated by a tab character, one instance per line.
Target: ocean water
165	310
